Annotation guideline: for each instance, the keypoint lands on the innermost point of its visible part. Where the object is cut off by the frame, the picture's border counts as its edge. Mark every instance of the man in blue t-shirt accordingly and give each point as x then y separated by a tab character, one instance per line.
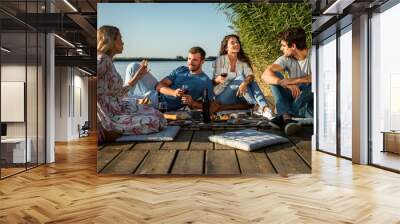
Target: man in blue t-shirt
170	88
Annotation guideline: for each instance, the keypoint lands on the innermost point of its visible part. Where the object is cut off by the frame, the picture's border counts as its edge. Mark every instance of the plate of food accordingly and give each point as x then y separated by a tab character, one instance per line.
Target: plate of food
222	118
177	115
238	121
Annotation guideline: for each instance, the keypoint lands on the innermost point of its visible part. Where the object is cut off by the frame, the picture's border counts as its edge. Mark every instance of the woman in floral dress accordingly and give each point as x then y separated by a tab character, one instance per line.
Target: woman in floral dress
117	113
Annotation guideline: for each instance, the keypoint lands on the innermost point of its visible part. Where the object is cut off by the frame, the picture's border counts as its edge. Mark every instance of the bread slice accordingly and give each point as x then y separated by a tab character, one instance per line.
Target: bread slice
177	115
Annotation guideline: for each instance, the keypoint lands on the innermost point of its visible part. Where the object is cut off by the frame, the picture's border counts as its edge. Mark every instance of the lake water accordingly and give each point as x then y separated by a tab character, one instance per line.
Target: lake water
160	69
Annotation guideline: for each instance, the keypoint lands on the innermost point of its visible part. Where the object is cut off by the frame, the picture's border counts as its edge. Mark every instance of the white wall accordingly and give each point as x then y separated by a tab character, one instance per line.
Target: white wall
13	73
34	124
61	103
69	85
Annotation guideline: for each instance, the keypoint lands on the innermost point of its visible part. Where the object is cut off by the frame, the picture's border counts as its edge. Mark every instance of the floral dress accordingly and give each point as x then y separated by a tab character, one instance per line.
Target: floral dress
115	110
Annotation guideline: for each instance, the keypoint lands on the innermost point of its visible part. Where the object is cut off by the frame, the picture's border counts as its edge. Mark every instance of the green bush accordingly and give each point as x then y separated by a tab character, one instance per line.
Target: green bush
258	24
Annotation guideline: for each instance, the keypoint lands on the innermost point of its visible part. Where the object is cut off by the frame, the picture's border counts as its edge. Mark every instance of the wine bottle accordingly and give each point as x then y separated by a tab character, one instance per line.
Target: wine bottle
206	107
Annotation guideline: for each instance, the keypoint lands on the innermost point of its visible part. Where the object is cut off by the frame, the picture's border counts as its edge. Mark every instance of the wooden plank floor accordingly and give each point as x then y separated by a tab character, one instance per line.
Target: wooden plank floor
71	191
193	154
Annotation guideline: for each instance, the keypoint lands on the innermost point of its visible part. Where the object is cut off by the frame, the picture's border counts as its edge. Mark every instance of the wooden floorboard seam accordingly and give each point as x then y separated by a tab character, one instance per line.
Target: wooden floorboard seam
299	154
133	145
204	162
120	151
237	160
190	141
270	161
161	145
143	159
171	166
101	147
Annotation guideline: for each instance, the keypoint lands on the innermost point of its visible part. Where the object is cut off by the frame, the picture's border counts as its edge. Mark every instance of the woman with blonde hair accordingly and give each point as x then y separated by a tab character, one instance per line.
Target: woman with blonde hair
117	113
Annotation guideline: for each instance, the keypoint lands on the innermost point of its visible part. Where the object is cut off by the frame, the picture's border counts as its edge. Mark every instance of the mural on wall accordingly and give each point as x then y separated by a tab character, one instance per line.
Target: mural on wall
183	90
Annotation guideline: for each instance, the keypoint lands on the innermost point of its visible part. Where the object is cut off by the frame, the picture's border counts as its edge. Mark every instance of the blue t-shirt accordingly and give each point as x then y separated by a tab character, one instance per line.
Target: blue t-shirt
195	82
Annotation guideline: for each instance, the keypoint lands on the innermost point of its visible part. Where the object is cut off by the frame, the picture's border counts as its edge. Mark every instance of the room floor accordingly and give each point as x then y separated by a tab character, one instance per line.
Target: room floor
387	159
71	191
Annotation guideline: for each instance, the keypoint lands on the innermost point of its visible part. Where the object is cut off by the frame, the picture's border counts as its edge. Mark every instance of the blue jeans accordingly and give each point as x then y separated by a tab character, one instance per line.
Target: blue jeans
302	106
145	87
253	95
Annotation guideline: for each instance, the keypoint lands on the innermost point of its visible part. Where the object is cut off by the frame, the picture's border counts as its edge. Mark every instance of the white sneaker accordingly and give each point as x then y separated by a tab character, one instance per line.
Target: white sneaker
268	114
257	111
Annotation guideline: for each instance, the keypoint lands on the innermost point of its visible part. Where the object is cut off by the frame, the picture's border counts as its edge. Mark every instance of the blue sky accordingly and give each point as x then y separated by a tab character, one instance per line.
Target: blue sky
165	29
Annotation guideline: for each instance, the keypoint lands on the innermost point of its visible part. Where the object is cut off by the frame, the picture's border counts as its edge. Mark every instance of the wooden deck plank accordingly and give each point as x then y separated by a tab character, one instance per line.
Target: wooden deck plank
281	158
219	146
181	141
189	162
108	153
254	163
286	160
157	162
200	141
303	147
147	146
247	162
221	162
264	165
126	162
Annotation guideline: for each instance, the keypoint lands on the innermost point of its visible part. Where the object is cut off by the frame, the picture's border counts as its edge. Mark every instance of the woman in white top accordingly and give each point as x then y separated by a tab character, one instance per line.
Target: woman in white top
234	77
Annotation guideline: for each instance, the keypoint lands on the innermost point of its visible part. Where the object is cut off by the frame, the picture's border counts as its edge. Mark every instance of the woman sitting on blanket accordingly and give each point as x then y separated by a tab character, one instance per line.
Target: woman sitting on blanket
117	113
234	78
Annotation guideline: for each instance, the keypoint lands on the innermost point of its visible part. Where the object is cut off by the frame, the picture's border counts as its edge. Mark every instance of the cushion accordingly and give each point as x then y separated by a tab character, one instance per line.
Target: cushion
167	134
248	139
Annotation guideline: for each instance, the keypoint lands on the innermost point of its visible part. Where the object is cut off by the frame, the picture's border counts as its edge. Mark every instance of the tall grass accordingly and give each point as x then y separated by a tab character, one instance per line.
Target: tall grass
258	24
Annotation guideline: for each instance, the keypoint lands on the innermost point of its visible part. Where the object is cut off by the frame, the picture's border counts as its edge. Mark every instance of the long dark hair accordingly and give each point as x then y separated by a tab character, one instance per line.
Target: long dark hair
241	55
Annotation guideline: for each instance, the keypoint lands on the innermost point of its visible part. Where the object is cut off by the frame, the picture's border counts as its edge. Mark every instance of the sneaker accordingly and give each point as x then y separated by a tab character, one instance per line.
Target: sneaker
268	114
292	127
277	122
257	111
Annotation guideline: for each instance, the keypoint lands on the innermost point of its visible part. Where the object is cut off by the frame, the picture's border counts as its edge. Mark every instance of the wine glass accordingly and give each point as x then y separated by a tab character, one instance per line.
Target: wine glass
224	73
162	107
185	89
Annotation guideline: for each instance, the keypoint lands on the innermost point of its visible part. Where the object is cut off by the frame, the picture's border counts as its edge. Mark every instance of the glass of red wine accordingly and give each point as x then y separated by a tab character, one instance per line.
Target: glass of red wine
185	89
